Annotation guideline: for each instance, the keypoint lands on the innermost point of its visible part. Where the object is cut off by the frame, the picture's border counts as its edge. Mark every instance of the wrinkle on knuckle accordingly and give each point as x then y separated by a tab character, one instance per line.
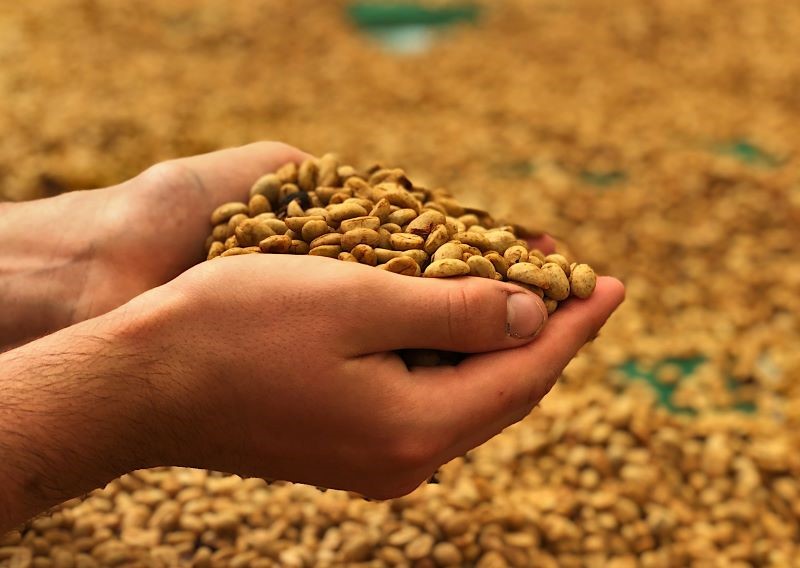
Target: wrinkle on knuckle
458	311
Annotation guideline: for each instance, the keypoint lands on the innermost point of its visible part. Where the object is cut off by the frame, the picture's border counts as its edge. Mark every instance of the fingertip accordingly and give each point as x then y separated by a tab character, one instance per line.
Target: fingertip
526	315
610	289
544	243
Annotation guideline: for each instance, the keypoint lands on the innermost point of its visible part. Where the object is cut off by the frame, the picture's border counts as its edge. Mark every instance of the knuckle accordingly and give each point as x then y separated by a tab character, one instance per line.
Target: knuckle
413	453
543	386
171	175
274	147
477	307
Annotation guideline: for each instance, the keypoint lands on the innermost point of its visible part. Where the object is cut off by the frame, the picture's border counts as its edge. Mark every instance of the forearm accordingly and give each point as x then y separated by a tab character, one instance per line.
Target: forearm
43	261
77	408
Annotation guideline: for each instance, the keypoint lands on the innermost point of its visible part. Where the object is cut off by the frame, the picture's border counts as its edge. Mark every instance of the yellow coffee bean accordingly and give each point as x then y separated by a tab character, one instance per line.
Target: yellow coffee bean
342	211
365	222
327	239
401	198
294	209
220	232
537	253
582	281
469	220
324	194
385	255
500	264
437	238
402	217
298	247
558	285
331	251
286	190
481	267
278	244
515	254
500	241
365	254
328	171
468	251
528	273
296	223
454	226
402	265
420	256
381	210
559	260
385	240
276	225
425	223
392	227
359	237
250	232
473	239
452	206
313	229
452	249
216	249
268	186
237	251
320	211
287	173
406	241
234	221
307	174
258	204
446	268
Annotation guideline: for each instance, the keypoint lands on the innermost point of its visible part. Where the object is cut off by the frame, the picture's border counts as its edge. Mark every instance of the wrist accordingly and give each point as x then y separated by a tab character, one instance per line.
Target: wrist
41	259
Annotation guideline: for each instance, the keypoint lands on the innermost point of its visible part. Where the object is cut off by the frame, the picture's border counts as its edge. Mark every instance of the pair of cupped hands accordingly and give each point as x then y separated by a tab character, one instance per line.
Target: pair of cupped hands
276	366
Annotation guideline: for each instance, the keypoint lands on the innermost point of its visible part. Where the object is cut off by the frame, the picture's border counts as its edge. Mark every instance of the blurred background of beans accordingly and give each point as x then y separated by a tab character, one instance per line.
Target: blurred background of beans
657	138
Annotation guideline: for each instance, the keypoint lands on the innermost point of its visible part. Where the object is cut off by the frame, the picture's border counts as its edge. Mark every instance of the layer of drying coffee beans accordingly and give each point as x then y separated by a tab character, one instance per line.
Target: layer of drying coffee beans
655	138
380	218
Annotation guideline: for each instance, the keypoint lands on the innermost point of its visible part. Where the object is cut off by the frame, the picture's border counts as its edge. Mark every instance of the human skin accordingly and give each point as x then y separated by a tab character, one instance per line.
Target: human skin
265	365
80	254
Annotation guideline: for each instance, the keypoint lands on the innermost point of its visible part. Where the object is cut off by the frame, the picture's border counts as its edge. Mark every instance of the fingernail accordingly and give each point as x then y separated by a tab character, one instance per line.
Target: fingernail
525	315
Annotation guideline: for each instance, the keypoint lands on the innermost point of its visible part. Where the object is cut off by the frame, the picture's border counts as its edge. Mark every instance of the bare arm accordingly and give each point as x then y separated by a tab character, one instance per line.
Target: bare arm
76	410
203	372
179	374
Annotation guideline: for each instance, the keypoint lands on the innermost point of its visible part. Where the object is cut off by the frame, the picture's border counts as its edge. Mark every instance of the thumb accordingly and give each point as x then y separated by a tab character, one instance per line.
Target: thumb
466	314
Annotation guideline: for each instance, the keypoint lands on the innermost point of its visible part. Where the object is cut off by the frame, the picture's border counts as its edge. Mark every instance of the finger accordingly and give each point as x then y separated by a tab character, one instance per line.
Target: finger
466	315
227	175
544	243
491	391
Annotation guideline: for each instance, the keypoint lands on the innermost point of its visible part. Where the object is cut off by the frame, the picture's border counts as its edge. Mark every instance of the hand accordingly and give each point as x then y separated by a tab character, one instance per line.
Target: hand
73	257
284	367
83	253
